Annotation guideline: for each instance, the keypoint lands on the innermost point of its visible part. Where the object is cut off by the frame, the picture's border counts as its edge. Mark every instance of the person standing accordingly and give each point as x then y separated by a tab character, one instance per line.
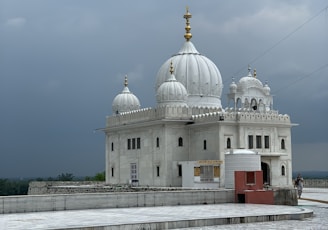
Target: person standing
299	185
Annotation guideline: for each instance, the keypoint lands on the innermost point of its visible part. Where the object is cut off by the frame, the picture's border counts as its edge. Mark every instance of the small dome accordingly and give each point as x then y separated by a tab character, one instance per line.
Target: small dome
125	101
249	81
233	87
266	89
171	92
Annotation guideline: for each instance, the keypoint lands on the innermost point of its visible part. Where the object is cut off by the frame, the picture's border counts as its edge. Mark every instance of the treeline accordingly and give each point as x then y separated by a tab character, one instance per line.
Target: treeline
312	174
11	187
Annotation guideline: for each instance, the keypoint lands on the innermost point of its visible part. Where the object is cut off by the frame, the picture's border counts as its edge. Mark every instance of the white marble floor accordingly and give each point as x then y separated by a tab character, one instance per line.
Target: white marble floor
102	217
319	221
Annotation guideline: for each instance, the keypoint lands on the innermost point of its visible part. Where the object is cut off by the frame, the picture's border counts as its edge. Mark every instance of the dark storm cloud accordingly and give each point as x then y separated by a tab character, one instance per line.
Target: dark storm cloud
63	62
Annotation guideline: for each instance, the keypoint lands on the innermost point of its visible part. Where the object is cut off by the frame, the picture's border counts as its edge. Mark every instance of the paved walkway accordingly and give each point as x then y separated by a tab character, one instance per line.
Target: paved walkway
166	217
319	221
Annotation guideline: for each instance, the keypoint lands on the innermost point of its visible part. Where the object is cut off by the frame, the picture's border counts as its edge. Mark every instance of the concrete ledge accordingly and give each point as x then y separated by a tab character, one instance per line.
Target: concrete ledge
205	222
165	217
41	203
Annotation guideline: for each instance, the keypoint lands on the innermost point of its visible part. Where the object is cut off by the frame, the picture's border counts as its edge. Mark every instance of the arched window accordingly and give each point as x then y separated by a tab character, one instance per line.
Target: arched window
157	142
283	170
180	142
204	145
228	143
283	144
112	146
238	103
254	104
261	105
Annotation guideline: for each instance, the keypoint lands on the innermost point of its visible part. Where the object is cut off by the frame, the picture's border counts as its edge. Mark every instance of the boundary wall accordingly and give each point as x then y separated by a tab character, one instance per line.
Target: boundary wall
316	183
60	202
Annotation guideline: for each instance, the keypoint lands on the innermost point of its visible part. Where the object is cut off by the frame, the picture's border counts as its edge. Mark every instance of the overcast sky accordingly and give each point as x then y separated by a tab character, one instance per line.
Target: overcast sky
63	62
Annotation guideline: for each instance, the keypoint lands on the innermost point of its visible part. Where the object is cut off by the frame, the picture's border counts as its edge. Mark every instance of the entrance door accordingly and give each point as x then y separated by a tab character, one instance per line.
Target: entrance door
134	174
266	173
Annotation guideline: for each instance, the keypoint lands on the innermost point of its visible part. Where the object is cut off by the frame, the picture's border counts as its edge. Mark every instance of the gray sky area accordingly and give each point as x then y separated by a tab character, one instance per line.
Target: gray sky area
63	62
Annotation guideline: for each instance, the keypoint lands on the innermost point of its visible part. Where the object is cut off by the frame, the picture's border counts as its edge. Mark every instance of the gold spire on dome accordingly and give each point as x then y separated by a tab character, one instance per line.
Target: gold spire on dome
254	73
187	35
126	81
171	68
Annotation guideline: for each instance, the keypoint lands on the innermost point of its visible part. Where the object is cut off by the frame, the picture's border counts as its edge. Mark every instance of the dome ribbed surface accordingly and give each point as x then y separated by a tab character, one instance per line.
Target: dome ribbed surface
125	102
172	92
197	73
249	82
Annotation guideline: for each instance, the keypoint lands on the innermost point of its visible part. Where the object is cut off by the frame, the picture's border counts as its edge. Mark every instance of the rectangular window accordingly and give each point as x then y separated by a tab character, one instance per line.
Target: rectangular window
180	140
129	143
216	171
112	172
133	143
266	142
250	177
157	142
138	143
133	172
196	171
250	141
228	143
283	144
180	170
112	146
206	173
258	142
204	145
157	171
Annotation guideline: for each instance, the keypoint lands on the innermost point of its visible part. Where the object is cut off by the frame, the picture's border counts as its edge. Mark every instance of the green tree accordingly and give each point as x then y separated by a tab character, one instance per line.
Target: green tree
98	177
65	177
13	187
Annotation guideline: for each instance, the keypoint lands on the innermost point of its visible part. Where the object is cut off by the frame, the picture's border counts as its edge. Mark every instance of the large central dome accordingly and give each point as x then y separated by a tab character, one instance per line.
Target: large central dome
197	73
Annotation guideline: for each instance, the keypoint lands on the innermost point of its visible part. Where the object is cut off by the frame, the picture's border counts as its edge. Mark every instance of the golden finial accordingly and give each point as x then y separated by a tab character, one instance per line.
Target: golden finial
187	35
126	81
171	68
254	73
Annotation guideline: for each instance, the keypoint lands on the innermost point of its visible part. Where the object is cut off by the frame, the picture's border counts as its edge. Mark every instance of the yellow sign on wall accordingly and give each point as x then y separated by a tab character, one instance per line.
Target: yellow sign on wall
209	162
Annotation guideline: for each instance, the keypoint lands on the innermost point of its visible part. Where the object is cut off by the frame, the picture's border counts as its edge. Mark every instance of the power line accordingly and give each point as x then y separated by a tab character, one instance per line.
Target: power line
300	79
281	40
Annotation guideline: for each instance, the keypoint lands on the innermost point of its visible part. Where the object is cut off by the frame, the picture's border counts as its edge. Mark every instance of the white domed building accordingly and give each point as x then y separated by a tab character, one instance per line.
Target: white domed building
183	141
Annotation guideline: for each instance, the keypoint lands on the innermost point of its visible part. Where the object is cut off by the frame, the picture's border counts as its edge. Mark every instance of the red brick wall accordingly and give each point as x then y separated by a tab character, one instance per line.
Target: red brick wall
259	197
250	185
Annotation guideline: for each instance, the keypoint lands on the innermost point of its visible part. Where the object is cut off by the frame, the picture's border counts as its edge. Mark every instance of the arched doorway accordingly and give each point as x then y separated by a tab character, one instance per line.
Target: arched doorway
266	173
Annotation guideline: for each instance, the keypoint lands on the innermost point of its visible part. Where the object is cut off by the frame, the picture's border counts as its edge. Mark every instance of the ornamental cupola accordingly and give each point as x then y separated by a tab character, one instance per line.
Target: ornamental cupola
171	92
125	101
249	93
